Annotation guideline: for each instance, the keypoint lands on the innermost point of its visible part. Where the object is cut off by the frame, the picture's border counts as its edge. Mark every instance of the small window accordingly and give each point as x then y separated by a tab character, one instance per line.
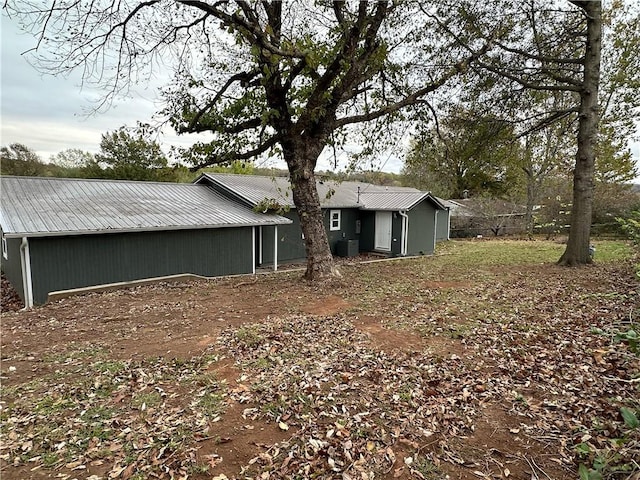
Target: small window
5	250
335	220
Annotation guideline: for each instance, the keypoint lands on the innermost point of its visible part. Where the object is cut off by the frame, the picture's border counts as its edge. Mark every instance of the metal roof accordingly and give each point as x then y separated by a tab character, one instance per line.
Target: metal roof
391	200
253	189
36	206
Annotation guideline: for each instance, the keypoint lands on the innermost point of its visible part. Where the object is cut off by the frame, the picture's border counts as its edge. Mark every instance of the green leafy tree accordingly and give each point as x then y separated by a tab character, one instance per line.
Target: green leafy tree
72	158
612	200
466	155
546	158
619	94
132	157
18	159
269	77
77	163
556	48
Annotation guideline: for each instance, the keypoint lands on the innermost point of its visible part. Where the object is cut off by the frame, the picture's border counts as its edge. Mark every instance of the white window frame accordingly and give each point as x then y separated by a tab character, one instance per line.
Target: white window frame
337	218
5	249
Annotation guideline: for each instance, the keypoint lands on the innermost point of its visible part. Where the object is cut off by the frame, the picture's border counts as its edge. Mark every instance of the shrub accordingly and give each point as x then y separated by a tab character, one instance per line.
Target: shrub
631	226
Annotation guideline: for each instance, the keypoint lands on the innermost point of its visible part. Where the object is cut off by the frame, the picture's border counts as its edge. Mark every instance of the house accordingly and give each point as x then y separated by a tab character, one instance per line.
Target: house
60	234
358	217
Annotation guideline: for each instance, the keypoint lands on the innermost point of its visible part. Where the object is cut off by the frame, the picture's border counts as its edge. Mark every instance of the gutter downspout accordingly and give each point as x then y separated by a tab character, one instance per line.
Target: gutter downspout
405	232
448	224
260	246
25	263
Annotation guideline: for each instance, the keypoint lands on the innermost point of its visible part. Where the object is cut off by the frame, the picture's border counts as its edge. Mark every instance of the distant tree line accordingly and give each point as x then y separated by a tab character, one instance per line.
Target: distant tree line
127	154
123	155
472	154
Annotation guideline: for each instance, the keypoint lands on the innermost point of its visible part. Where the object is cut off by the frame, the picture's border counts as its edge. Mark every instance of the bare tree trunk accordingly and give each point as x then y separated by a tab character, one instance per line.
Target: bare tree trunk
577	251
301	161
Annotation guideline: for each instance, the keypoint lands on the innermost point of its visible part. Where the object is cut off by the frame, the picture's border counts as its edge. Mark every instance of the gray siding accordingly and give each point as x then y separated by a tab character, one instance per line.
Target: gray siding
347	231
60	263
368	231
442	225
290	243
396	234
421	229
11	267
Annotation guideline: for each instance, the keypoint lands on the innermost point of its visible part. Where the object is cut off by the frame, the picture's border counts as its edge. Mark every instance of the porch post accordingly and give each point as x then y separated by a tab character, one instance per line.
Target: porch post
275	249
253	250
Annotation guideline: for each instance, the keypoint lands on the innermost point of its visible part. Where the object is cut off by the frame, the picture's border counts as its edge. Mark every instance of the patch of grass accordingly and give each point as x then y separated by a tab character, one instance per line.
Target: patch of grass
458	331
101	453
249	335
612	251
23	389
426	469
205	379
52	406
50	459
209	358
75	354
471	253
110	367
262	363
95	430
99	413
211	404
405	393
198	469
274	409
499	252
146	399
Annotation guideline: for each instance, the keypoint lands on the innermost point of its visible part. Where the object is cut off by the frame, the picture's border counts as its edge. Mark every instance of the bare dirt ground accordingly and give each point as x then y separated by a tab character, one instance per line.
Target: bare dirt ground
456	366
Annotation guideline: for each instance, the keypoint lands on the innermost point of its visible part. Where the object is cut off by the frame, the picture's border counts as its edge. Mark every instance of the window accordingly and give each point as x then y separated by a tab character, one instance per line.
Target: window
5	250
334	223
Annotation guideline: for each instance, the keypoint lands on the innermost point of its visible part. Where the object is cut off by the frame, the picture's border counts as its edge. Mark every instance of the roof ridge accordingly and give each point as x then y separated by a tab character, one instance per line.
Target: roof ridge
96	180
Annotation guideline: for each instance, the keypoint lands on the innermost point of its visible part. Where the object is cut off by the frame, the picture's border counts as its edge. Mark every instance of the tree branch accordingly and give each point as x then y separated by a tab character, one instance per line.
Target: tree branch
338	6
355	71
244	77
413	98
253	29
527	84
549	120
227	129
231	156
540	58
561	78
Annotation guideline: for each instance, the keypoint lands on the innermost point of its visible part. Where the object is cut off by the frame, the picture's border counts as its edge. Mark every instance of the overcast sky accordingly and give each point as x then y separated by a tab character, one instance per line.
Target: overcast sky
49	114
